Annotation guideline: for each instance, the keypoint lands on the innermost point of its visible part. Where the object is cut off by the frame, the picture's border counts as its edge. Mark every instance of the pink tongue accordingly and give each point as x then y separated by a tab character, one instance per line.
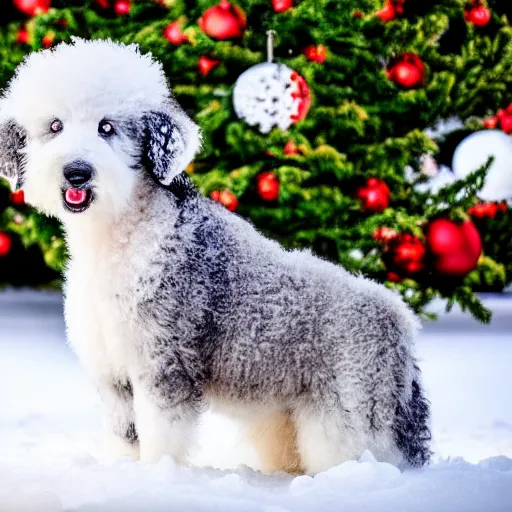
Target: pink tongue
75	196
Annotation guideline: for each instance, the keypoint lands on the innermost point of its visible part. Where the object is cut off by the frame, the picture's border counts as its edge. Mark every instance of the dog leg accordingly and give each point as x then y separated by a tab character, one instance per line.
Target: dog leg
329	436
275	440
326	438
165	425
121	434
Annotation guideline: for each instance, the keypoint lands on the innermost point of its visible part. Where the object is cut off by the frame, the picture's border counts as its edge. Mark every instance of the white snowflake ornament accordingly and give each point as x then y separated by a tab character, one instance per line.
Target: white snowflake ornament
269	95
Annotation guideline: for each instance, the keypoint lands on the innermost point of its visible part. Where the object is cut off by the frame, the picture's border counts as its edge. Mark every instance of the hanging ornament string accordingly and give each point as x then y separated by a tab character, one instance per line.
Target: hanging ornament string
271	94
270	45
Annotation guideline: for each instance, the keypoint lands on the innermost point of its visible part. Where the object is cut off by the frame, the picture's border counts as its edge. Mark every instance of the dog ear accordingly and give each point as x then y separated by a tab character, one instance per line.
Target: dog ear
170	143
13	139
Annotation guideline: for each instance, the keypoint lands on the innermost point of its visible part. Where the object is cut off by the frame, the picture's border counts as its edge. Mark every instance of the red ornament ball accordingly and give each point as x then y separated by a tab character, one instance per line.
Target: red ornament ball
23	36
226	198
407	75
407	254
503	120
455	247
491	122
484	210
291	148
282	5
229	200
18	197
506	124
32	7
504	112
376	200
174	34
393	277
122	7
315	53
408	71
268	186
374	195
206	64
5	244
223	21
384	234
480	15
390	10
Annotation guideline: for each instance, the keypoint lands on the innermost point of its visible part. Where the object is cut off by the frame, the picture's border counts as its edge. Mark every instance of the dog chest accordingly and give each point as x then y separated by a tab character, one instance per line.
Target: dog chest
100	317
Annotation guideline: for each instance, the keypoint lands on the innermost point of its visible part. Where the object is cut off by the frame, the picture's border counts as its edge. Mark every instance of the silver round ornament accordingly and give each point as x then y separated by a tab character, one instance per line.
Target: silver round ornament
269	95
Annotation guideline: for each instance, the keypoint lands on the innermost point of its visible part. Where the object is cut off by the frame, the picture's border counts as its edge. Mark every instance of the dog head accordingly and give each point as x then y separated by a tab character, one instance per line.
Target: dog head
79	124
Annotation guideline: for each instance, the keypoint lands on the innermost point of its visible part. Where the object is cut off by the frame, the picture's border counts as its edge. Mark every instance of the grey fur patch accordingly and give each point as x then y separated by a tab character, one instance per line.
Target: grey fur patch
130	435
124	389
410	428
253	324
163	146
13	139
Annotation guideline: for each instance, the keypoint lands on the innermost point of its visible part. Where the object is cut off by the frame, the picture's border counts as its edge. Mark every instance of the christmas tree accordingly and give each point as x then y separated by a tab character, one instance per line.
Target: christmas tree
326	147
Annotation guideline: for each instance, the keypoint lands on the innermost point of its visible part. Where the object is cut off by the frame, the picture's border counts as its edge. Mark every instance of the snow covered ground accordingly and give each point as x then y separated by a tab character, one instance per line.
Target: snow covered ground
50	443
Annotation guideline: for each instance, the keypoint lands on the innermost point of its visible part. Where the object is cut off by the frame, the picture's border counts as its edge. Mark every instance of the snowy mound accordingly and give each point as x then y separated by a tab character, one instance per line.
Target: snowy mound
51	456
84	485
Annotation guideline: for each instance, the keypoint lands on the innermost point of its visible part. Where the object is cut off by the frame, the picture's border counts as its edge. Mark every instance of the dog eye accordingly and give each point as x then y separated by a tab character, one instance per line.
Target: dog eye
56	126
106	129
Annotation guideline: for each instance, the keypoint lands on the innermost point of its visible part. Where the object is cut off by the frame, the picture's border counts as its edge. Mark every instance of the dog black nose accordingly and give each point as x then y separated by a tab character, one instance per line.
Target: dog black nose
78	173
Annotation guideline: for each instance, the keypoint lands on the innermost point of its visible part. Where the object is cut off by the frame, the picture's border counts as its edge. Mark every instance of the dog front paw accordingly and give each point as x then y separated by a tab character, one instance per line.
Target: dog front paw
117	448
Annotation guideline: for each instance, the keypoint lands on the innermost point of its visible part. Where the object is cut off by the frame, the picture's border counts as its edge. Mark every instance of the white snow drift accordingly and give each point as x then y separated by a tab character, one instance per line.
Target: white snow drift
50	422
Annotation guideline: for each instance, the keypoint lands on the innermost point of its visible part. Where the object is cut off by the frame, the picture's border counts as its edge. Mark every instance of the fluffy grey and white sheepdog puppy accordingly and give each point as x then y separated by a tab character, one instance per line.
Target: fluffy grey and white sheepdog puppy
173	303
